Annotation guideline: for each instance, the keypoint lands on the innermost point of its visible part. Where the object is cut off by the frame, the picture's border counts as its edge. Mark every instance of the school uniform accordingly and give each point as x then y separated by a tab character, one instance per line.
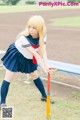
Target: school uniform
18	59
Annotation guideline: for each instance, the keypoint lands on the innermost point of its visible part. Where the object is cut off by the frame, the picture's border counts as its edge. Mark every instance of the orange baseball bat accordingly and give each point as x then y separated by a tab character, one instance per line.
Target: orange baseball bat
48	111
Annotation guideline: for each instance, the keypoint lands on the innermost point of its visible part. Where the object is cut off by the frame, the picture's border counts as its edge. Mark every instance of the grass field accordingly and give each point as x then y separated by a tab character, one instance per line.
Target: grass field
66	22
26	8
25	99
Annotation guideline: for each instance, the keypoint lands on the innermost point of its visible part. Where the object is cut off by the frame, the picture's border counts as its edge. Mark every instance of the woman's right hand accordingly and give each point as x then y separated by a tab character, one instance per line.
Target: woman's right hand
46	69
49	70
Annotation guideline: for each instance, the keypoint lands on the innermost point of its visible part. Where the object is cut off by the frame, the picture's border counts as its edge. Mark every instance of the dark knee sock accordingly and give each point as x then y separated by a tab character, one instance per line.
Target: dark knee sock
40	86
4	91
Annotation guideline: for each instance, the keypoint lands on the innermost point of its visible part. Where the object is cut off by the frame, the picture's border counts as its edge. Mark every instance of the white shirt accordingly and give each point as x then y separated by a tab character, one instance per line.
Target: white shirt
23	41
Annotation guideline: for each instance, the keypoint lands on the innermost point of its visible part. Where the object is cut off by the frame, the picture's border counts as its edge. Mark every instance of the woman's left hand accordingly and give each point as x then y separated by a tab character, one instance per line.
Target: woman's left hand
50	69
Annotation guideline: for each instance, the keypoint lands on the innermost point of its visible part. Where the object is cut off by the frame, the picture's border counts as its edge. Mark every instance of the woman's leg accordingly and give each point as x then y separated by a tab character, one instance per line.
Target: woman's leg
5	85
38	83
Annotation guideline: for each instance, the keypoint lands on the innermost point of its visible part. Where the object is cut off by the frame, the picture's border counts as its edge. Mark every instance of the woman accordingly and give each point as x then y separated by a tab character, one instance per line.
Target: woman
25	54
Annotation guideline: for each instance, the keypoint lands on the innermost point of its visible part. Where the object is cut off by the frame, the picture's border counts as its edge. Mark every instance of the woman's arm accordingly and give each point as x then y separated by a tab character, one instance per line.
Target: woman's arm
38	58
45	59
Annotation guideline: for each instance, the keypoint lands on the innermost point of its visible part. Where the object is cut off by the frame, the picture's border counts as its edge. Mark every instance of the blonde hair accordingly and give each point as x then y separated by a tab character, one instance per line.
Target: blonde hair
37	21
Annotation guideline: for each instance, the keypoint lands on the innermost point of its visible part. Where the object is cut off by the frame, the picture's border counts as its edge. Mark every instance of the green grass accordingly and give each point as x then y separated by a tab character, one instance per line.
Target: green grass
66	22
26	8
25	100
75	95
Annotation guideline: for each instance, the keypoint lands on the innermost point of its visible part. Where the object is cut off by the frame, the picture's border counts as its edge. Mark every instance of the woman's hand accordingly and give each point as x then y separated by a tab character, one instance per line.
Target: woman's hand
50	69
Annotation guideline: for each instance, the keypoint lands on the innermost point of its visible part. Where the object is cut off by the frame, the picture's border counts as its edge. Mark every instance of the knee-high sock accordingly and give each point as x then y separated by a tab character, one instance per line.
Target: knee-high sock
40	86
4	91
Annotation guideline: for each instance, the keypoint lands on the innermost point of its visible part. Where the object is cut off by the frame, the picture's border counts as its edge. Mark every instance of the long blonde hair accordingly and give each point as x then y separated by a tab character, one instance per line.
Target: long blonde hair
37	21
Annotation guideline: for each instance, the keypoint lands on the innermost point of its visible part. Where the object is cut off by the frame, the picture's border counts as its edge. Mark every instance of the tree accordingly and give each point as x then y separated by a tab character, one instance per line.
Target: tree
13	2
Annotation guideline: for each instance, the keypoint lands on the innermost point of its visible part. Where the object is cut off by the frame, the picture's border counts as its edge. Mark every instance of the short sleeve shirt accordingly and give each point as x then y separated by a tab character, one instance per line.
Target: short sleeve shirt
22	42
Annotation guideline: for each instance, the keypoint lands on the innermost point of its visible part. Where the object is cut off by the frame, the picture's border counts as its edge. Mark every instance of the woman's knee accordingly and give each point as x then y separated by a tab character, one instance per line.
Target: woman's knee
9	75
34	75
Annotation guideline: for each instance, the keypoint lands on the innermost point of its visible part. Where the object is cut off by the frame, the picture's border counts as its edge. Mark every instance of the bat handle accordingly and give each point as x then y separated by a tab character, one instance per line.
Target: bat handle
48	88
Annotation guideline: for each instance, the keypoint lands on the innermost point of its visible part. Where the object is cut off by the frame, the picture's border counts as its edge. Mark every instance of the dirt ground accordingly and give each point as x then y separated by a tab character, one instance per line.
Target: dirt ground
63	43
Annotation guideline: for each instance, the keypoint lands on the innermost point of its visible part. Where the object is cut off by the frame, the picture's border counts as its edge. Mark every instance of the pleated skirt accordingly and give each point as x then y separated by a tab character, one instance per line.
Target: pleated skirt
14	61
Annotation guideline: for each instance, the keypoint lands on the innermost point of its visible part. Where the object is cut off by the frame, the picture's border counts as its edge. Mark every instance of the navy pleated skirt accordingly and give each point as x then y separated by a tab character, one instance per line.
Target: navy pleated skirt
14	61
